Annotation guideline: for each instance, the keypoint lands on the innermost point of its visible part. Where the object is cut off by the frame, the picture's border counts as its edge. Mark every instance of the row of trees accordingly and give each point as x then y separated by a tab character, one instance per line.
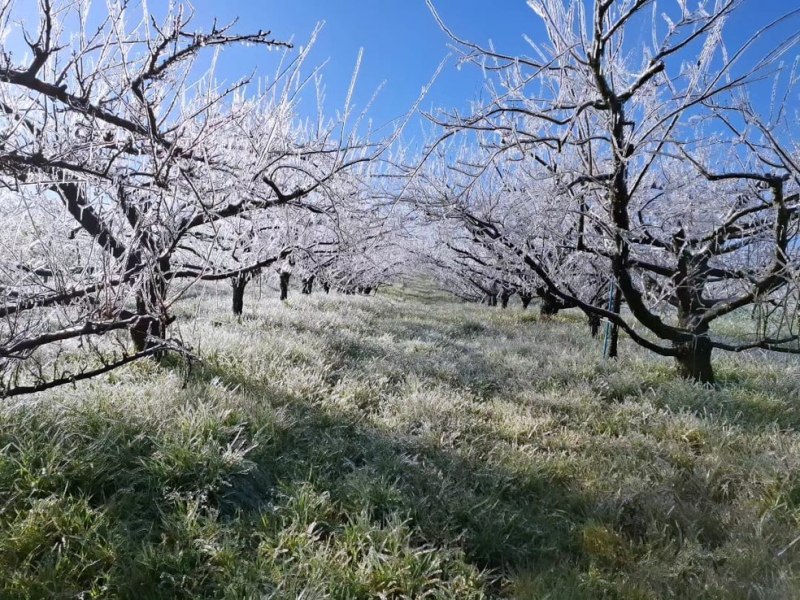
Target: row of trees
654	167
129	173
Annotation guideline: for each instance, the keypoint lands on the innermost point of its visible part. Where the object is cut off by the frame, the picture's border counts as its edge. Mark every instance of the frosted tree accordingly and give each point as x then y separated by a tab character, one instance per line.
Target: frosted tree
463	199
659	163
121	177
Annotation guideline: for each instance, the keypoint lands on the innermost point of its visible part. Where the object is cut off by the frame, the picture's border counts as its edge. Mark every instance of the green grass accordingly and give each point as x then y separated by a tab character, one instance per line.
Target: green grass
403	446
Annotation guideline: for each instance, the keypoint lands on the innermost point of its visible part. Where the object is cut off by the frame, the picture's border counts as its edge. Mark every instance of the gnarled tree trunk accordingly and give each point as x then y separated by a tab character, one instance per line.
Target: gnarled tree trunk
594	324
550	306
284	284
694	359
694	355
238	283
308	284
504	297
151	327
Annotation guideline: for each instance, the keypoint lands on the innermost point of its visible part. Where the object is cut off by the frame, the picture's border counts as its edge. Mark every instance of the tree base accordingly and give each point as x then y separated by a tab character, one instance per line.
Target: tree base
694	360
237	303
284	284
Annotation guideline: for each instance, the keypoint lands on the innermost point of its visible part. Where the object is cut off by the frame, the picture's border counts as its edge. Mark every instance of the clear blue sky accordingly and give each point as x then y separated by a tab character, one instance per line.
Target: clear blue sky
403	44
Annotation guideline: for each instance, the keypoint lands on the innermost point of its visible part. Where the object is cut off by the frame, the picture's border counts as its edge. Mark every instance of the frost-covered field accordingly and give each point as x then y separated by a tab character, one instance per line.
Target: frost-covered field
403	445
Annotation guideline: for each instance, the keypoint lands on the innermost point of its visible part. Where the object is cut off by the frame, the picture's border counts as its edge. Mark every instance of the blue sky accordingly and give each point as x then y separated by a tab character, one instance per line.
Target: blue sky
403	44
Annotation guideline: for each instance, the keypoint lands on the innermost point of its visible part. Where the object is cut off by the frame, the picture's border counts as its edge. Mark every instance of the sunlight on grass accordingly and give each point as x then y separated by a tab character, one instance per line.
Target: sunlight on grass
402	446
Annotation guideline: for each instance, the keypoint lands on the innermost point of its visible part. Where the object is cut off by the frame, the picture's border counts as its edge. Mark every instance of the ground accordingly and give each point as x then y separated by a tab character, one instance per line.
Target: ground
404	445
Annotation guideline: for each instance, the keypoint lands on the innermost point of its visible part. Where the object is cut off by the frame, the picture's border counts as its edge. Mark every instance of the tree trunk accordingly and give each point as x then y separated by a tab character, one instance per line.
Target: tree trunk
492	300
151	326
504	300
694	356
285	277
526	300
327	287
238	283
141	329
594	324
308	284
694	359
549	307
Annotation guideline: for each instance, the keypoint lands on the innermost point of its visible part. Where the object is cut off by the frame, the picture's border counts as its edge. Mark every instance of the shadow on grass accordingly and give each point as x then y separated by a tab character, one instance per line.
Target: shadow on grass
505	517
145	505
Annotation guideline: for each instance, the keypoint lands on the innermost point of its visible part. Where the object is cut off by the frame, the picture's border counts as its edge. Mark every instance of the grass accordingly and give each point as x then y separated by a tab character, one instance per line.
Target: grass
403	446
